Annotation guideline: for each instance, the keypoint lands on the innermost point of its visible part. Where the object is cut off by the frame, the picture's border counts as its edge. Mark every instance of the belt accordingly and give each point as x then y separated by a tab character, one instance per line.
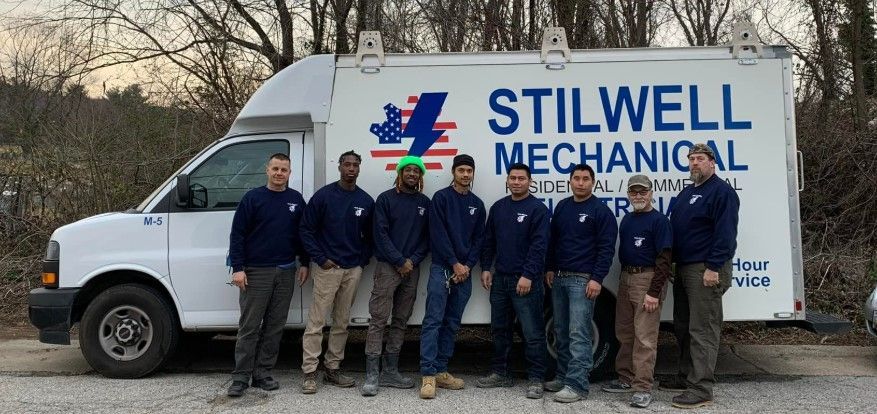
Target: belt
564	273
637	269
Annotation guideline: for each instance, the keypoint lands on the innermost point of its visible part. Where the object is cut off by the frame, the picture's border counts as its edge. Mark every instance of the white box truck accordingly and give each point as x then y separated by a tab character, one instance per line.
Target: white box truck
134	280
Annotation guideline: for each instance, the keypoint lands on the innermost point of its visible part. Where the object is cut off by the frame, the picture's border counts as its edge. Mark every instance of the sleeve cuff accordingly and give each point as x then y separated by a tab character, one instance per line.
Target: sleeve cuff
237	268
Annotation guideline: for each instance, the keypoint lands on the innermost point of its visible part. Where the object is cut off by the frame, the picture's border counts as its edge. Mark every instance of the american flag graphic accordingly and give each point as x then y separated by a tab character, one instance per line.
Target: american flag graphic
397	139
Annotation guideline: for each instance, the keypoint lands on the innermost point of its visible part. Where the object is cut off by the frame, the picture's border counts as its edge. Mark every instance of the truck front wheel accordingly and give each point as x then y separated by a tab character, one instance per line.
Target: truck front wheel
128	331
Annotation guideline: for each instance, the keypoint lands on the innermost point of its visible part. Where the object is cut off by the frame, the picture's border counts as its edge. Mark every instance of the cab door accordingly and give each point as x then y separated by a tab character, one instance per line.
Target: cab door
198	237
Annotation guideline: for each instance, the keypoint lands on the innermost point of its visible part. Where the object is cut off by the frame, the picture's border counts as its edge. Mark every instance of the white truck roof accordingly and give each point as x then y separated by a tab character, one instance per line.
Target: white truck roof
301	95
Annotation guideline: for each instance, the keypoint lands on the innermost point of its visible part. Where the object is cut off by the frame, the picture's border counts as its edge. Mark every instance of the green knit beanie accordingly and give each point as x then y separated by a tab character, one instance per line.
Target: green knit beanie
408	160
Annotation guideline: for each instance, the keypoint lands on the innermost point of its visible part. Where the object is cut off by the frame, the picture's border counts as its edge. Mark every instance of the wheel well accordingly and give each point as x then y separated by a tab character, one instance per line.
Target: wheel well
107	280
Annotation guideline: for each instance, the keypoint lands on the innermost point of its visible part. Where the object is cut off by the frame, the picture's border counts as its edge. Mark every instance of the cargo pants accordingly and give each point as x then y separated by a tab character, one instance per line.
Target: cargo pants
391	292
697	321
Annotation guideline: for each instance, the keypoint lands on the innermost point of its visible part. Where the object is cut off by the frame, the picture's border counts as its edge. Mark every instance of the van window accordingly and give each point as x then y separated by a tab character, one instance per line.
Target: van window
221	181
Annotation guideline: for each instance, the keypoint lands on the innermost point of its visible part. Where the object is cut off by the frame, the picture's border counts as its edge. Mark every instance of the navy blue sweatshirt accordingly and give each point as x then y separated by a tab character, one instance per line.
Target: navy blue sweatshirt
517	237
456	228
401	227
265	229
643	236
704	222
582	237
337	225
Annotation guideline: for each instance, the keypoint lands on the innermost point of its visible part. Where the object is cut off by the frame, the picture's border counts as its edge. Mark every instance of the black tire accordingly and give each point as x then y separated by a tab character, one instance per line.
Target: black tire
128	331
606	346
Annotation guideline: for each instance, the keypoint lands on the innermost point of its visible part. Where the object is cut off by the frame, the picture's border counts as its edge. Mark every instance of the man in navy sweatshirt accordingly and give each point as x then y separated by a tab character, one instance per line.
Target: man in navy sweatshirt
645	256
264	243
337	234
456	233
580	253
517	238
704	220
401	242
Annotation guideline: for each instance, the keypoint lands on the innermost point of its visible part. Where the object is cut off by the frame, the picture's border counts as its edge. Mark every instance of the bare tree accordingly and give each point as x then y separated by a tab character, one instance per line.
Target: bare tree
701	20
630	23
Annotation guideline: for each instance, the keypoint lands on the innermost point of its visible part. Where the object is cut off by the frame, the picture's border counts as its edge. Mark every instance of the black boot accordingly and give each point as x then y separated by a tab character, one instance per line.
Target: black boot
390	377
372	372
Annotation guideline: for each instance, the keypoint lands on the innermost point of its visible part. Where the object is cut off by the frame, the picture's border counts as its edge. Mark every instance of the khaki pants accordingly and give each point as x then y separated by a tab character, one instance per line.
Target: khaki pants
637	331
334	290
697	320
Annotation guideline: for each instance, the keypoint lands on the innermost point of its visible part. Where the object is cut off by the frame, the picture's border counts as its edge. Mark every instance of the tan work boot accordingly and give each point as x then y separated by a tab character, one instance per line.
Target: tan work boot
447	381
427	390
309	384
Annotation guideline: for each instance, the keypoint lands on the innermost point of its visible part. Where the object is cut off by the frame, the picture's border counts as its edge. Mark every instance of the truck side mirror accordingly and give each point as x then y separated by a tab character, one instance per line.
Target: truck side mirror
183	191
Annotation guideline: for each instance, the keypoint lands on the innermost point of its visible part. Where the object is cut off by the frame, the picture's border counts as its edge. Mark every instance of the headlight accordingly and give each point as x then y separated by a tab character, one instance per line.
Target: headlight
53	251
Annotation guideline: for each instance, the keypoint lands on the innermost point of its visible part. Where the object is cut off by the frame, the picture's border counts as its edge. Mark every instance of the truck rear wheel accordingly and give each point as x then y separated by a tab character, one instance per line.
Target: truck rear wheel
128	331
604	345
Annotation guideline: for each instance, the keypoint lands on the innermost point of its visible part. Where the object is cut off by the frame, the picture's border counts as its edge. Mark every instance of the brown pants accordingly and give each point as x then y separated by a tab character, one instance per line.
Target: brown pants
395	293
637	331
335	290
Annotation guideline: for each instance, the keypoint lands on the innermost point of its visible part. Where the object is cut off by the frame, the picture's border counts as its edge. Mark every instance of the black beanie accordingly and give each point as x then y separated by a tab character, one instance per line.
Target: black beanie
463	159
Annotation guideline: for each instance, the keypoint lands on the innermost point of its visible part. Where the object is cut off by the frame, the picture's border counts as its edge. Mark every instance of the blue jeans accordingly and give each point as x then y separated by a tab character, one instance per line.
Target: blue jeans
573	312
505	304
444	311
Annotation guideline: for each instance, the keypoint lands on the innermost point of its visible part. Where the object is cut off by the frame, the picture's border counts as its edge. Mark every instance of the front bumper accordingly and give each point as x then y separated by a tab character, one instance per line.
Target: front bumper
51	310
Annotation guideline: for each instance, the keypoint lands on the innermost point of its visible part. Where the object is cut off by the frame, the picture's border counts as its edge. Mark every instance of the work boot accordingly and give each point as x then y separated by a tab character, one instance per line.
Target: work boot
427	388
690	400
372	372
534	389
390	376
494	380
448	381
237	388
554	385
337	378
617	387
309	384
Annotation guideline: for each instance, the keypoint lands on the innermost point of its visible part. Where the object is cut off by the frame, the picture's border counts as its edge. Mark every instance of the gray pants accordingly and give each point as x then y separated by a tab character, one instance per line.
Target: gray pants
697	320
264	309
395	293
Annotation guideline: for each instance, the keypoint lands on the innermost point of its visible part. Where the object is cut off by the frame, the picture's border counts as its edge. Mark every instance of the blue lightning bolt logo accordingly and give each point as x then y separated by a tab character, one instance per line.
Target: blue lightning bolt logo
420	125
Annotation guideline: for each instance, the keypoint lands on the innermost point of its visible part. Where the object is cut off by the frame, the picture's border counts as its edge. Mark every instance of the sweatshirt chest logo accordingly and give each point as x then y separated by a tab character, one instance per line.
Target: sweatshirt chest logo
421	210
521	217
292	207
694	198
582	217
472	210
357	211
638	241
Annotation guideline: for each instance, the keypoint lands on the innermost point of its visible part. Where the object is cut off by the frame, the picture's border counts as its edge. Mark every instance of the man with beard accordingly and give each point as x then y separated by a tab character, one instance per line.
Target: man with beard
264	242
456	233
644	252
517	237
401	243
336	232
704	221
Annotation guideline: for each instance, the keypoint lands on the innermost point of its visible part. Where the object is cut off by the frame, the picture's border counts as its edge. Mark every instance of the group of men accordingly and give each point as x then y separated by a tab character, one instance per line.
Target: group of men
522	248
